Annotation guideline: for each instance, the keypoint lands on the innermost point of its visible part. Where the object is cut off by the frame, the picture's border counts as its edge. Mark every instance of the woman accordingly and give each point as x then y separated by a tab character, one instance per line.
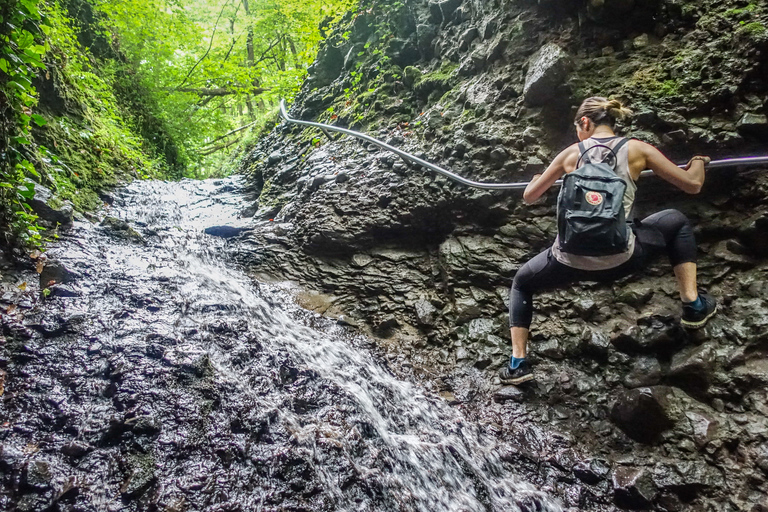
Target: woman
667	231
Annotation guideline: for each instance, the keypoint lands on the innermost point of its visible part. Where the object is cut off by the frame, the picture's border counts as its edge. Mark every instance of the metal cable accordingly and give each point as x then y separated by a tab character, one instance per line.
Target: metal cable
714	164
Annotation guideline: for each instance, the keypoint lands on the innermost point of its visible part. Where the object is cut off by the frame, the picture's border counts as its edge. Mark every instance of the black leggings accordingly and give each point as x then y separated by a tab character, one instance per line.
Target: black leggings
668	230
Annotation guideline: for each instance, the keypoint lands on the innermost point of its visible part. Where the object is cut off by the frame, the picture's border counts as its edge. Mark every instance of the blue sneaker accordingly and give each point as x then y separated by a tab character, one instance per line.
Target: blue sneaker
522	373
696	318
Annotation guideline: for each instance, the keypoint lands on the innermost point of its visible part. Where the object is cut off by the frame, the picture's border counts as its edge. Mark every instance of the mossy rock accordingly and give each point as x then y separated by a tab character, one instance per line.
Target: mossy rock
438	81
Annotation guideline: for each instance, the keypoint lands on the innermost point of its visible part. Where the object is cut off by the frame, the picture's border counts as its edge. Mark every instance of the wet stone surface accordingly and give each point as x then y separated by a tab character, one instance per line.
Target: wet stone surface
167	379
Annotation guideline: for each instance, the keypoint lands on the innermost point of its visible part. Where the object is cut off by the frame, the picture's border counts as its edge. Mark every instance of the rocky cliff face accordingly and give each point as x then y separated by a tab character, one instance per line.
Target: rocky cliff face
642	414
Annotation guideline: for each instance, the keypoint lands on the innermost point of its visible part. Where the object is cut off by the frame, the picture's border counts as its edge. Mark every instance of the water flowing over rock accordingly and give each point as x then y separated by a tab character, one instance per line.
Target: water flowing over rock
175	382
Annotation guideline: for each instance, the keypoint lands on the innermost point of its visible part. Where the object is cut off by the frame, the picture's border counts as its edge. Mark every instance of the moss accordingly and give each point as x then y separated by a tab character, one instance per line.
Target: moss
439	80
653	81
738	11
754	28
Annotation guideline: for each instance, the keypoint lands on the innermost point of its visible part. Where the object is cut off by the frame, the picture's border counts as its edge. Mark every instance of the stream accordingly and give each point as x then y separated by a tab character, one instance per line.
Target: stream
160	376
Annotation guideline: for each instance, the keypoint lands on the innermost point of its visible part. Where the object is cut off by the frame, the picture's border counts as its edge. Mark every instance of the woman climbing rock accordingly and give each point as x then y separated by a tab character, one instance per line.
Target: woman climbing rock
594	241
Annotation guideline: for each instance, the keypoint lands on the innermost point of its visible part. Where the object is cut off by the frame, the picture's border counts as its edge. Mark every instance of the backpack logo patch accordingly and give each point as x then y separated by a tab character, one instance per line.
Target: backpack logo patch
594	198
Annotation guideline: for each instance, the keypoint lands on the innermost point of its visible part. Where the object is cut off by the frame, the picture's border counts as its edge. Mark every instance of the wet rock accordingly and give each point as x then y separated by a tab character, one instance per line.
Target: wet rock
274	158
32	503
761	458
553	349
141	477
467	37
224	231
703	426
121	229
692	368
646	371
595	344
328	66
633	487
687	479
546	72
48	208
425	312
651	334
75	449
643	413
37	475
63	290
425	36
591	472
56	272
753	124
509	393
10	456
443	10
386	326
635	294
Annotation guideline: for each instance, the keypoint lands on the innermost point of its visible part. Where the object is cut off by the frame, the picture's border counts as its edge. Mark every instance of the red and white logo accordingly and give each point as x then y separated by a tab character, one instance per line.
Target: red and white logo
594	198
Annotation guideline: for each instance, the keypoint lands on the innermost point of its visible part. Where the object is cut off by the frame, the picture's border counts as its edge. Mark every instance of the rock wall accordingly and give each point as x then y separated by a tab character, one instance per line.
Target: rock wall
644	414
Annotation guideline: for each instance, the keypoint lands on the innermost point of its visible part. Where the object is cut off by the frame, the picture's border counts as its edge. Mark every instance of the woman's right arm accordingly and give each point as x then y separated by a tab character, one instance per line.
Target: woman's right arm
689	180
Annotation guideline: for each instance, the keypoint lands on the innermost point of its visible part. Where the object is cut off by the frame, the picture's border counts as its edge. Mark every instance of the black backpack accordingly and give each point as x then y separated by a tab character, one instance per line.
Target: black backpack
590	207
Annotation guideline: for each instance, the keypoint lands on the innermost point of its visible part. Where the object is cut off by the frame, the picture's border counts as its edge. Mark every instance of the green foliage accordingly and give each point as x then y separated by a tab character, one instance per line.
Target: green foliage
738	11
209	69
22	27
161	89
654	82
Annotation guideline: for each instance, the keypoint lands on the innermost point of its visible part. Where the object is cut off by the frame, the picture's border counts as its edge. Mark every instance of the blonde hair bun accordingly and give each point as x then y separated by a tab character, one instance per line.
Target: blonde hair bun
602	110
617	110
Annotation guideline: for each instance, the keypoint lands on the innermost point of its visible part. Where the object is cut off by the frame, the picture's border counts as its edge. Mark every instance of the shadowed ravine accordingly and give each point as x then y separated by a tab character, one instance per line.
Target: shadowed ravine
173	381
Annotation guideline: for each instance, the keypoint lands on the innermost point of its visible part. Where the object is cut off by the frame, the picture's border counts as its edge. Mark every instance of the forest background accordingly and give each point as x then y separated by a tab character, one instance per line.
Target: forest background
93	92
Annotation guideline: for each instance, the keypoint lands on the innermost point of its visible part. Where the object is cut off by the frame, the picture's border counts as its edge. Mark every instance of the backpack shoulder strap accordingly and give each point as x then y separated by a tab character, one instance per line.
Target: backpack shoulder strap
582	155
621	143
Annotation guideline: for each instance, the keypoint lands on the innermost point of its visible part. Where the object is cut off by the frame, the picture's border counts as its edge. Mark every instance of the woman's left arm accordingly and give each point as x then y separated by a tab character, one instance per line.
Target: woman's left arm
542	182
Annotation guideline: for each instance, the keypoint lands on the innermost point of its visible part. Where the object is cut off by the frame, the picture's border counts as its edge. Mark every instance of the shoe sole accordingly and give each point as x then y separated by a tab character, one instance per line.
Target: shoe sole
519	380
700	323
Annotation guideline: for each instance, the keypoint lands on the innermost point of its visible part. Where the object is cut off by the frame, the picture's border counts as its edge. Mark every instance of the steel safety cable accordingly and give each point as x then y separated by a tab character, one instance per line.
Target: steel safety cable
714	164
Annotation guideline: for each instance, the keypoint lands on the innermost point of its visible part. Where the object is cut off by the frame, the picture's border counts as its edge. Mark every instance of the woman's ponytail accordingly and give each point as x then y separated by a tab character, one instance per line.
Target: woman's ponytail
602	110
616	109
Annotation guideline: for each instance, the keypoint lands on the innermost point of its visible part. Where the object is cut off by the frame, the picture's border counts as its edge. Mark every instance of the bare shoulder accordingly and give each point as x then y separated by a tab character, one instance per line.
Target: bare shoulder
569	157
638	146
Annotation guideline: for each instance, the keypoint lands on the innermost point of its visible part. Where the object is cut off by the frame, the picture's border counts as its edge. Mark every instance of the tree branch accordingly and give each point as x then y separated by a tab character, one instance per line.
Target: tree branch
210	45
217	139
214	149
221	91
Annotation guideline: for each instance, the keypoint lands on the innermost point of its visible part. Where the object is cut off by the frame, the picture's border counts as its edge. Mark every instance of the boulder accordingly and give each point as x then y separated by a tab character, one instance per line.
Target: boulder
591	472
121	229
509	393
643	413
425	312
547	70
753	124
46	207
224	231
443	10
55	272
651	334
328	66
692	368
595	344
645	372
633	487
703	426
687	479
37	475
425	36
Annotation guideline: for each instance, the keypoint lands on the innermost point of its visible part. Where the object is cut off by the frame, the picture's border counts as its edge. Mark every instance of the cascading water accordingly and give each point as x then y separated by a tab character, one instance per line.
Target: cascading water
172	381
